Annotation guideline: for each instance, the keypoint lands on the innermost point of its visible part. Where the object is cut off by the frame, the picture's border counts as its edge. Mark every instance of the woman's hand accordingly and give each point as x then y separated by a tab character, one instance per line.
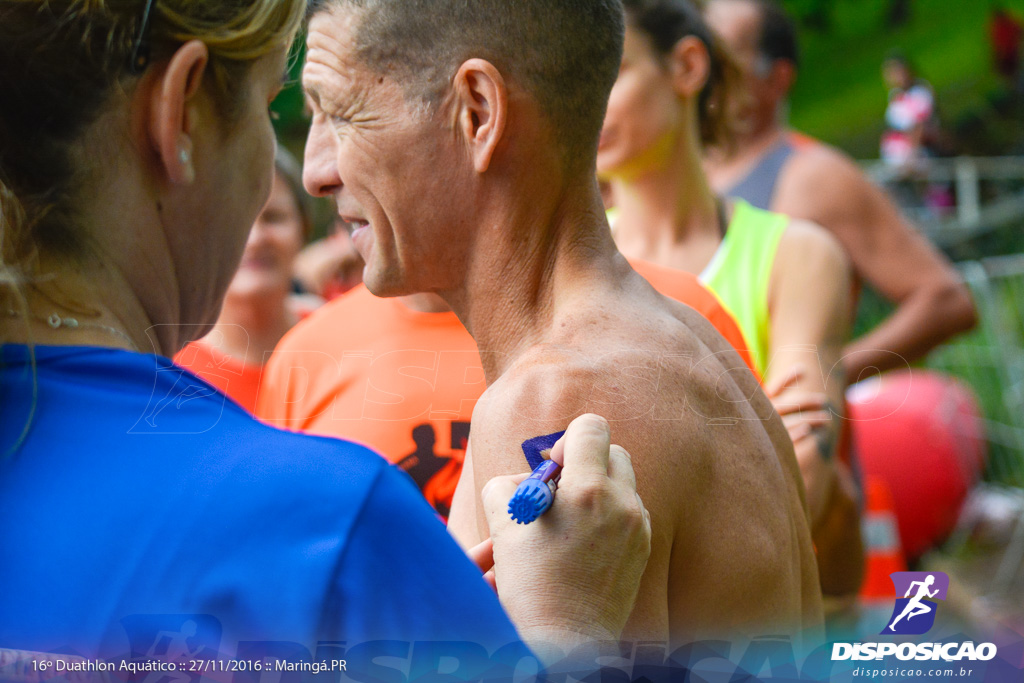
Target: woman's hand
572	576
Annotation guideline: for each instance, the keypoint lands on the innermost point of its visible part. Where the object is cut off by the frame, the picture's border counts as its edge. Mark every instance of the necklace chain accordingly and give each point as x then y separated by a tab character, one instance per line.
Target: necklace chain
57	322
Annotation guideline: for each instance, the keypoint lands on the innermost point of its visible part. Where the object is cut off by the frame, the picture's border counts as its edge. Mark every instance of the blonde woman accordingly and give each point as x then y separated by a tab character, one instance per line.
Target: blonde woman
135	152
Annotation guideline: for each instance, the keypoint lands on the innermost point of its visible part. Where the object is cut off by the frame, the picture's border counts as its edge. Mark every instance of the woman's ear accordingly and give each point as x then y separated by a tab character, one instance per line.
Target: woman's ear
481	109
170	120
690	66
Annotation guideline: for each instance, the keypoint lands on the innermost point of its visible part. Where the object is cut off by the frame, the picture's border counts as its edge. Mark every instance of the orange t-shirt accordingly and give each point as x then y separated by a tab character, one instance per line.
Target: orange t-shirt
372	370
685	287
235	378
402	382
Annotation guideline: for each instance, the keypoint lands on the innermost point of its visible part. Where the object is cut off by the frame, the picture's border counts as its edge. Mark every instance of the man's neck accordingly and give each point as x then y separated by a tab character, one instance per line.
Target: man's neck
529	266
425	302
725	168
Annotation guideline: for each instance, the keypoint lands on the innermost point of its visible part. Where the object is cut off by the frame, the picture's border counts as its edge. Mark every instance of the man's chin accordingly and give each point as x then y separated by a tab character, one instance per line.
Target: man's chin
385	285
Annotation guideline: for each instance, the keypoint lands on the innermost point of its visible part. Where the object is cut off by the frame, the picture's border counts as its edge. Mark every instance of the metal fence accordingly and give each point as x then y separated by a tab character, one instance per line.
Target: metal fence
991	361
988	200
984	194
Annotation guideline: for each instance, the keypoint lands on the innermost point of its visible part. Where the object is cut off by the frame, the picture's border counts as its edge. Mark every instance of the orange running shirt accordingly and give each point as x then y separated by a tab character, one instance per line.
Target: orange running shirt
238	380
685	287
402	382
372	370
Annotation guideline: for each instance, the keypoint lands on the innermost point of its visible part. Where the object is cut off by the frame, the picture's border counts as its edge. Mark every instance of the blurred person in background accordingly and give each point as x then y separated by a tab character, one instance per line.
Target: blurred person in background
774	167
911	120
786	281
403	380
259	306
330	266
913	136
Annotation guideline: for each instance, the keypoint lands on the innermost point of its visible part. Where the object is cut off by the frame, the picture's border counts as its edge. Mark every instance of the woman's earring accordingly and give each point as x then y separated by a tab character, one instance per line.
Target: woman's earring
185	159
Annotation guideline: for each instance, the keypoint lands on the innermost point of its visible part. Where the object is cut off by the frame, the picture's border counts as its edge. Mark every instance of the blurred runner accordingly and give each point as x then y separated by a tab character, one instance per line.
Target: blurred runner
774	167
910	119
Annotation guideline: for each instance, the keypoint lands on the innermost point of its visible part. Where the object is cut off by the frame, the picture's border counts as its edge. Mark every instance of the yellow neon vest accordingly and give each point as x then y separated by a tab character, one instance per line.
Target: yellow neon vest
740	272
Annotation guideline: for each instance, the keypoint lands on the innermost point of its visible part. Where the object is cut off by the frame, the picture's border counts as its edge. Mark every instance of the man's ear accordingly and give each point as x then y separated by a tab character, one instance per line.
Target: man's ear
783	75
170	122
481	109
690	66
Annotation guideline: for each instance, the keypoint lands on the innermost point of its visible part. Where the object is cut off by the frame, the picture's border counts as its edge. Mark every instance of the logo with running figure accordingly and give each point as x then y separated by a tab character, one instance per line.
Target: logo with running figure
914	613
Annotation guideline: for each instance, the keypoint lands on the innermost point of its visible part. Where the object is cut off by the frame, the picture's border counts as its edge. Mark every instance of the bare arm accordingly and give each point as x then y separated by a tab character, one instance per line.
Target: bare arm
463	522
810	323
809	305
932	302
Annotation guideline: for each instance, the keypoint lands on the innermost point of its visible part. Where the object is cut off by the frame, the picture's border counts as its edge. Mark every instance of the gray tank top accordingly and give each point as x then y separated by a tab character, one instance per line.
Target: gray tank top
758	187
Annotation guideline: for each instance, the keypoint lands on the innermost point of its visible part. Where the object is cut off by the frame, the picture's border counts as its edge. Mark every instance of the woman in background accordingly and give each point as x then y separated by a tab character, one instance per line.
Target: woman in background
260	306
786	282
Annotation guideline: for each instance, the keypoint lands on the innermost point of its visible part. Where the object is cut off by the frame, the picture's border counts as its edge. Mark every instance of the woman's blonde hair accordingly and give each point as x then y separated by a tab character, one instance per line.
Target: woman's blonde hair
60	60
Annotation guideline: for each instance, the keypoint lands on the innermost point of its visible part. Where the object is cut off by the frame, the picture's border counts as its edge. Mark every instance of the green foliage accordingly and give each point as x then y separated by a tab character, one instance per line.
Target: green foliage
840	96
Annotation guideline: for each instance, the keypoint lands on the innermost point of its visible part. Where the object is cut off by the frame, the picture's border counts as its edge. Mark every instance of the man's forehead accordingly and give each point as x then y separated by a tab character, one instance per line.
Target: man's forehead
738	22
331	60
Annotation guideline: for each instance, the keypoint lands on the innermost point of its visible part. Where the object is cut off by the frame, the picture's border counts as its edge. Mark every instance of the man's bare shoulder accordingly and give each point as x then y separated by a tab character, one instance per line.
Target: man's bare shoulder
649	372
719	479
826	166
820	183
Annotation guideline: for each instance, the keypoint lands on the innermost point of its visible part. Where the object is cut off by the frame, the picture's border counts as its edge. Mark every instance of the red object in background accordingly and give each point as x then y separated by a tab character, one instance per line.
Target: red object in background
920	433
1005	33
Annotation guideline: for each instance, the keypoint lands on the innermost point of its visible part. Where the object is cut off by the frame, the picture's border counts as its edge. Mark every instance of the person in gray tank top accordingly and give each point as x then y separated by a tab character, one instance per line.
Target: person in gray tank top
758	186
771	167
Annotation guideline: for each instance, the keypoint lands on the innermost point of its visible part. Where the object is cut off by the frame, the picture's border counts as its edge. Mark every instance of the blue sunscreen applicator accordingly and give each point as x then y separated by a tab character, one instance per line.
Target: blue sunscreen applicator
536	493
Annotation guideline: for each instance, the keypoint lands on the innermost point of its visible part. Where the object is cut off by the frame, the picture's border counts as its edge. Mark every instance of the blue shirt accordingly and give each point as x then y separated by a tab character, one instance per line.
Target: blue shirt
139	491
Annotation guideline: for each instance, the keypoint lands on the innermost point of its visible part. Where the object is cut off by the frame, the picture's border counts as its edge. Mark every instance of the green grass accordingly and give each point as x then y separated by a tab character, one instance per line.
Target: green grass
840	96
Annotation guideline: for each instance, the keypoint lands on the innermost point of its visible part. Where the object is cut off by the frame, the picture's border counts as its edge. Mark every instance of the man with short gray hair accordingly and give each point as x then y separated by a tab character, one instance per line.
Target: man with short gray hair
459	138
